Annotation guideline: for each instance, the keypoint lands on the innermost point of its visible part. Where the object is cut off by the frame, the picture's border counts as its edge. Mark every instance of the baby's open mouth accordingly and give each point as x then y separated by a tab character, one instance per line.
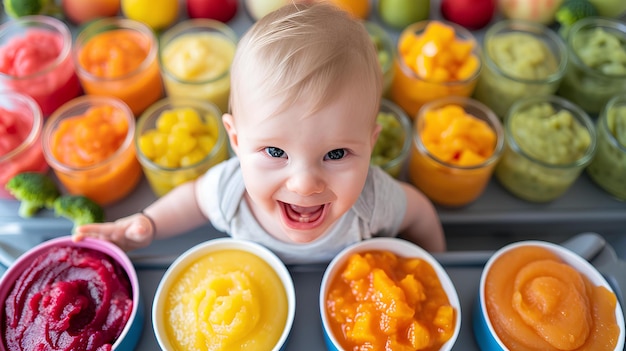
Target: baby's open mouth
302	214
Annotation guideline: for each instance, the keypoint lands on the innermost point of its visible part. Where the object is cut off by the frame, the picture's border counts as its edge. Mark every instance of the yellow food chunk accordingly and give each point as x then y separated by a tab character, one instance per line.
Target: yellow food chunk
182	137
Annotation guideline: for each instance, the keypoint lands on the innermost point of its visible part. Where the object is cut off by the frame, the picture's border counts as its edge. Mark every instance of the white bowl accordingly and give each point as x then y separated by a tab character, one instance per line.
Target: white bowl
400	248
206	249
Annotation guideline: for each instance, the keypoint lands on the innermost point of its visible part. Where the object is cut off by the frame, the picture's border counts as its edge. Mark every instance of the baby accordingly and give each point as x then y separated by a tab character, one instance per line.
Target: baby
305	93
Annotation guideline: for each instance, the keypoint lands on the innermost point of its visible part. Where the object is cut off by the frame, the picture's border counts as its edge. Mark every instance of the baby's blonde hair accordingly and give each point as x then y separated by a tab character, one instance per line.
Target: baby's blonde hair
305	51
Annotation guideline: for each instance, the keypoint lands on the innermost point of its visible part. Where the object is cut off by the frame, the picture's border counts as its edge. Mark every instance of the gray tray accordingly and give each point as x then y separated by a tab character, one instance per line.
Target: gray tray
464	268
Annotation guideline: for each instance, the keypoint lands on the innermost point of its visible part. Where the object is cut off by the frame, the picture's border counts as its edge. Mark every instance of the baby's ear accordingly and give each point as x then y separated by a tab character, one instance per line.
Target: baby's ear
375	134
229	125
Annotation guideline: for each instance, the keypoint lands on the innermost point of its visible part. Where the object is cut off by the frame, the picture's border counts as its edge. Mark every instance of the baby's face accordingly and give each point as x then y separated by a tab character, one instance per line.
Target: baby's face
302	173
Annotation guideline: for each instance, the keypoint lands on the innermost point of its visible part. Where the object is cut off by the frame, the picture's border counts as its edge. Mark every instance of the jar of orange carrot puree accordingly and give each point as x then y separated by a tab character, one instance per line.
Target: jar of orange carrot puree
118	57
195	60
537	301
434	59
88	142
456	145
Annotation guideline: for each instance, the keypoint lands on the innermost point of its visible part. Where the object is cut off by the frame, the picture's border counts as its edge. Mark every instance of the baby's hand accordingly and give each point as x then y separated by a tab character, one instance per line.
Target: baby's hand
129	233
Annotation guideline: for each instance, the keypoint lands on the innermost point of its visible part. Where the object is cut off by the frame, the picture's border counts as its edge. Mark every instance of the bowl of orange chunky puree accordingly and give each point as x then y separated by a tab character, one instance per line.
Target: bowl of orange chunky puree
224	294
388	294
536	295
65	295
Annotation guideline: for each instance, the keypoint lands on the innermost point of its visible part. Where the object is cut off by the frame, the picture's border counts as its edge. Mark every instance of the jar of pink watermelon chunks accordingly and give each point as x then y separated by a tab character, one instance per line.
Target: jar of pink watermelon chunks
21	124
35	60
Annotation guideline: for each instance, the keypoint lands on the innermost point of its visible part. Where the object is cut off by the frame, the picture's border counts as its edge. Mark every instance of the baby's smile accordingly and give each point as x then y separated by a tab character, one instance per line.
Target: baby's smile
301	217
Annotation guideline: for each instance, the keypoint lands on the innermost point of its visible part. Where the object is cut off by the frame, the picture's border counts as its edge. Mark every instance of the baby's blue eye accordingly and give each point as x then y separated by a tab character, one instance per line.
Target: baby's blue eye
274	152
336	154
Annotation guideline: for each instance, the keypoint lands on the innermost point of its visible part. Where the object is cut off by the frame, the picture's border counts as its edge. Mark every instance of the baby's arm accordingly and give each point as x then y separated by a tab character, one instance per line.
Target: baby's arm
171	215
421	223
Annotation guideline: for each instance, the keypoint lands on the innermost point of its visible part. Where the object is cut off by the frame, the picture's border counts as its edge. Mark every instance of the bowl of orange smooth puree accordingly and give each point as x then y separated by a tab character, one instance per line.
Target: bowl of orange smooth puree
537	295
388	294
224	294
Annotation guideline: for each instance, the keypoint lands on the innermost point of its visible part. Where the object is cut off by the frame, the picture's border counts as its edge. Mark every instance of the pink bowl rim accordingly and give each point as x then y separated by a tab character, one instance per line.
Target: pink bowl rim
110	249
569	257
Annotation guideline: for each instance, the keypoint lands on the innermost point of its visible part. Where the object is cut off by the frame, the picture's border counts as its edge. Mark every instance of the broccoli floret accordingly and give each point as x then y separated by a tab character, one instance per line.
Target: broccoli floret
79	209
572	11
34	190
20	8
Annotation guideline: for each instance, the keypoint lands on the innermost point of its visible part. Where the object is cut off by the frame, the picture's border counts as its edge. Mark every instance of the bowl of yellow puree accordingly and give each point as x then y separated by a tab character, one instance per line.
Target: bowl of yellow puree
224	294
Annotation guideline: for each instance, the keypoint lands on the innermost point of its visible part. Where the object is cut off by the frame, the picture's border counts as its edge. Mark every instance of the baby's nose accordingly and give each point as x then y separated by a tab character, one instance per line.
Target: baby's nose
306	182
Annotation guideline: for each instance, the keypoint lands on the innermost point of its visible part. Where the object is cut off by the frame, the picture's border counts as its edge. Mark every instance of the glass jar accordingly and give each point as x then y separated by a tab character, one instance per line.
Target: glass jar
520	59
385	49
195	58
21	123
169	160
596	70
549	141
118	57
608	167
44	69
88	142
411	90
394	141
444	182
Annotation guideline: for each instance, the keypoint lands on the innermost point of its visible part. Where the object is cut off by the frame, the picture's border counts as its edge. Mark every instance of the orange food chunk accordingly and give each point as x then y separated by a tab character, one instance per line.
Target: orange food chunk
437	55
456	137
380	301
91	138
114	53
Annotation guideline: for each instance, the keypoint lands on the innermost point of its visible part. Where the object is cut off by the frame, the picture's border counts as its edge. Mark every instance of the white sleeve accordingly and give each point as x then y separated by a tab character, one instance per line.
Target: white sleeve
389	204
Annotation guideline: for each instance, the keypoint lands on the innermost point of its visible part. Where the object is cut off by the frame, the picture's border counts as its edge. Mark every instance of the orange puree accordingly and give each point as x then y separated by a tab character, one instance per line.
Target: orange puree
120	63
97	159
535	301
383	302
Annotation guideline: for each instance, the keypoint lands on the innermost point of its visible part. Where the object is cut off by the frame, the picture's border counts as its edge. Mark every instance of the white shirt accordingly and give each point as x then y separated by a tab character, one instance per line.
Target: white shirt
378	211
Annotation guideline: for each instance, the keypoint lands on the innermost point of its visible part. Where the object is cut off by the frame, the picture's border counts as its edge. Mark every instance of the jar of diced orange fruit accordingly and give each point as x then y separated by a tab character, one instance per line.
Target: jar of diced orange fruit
88	142
434	59
457	142
178	139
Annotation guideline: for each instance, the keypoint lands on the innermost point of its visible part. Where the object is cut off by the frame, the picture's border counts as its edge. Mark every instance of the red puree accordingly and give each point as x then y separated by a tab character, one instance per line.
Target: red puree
68	299
30	59
15	126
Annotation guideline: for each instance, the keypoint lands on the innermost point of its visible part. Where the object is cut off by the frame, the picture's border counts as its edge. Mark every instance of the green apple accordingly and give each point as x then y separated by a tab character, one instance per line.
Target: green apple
259	8
401	13
610	8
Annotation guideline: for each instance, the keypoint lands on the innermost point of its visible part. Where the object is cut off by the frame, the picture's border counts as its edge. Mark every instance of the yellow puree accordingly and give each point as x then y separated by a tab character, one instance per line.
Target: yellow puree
199	67
230	300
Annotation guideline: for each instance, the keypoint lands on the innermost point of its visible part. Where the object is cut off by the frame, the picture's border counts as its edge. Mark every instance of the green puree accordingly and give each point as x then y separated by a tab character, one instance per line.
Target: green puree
389	144
604	52
553	142
552	137
528	65
608	168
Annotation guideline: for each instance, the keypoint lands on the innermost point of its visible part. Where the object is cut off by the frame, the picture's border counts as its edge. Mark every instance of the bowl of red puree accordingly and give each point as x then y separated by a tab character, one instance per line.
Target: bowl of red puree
65	295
